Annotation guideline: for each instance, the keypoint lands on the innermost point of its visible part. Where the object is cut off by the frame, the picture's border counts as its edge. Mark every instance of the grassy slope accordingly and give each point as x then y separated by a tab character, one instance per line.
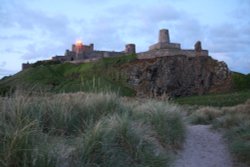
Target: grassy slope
102	75
240	94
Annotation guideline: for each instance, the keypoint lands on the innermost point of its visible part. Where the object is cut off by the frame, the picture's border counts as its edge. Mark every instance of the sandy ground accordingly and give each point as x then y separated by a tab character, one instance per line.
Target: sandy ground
203	148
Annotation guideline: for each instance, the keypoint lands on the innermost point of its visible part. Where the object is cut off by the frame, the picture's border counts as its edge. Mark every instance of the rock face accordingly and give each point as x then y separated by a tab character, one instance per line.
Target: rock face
179	75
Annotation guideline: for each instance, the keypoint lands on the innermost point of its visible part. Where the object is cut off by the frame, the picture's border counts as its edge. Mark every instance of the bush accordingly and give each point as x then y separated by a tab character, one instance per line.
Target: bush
241	81
205	115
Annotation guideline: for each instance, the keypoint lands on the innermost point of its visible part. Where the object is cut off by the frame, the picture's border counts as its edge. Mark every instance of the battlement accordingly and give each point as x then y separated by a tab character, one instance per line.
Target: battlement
80	48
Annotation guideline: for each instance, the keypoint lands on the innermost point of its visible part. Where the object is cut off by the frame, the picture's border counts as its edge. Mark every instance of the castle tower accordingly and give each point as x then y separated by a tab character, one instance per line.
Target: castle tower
164	42
130	49
164	36
78	48
91	47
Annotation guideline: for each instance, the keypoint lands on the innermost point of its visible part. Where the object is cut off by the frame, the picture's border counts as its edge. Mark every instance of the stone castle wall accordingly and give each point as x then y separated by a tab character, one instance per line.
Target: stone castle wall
170	52
99	54
165	45
26	65
87	55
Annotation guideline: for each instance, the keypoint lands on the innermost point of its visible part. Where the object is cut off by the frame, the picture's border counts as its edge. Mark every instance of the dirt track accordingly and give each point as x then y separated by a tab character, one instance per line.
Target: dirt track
203	148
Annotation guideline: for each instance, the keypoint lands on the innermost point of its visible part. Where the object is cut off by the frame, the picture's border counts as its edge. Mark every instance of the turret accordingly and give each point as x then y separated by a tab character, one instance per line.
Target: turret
164	36
130	49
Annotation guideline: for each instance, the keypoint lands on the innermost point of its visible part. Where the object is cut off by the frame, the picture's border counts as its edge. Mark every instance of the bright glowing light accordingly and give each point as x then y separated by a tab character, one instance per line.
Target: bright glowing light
78	42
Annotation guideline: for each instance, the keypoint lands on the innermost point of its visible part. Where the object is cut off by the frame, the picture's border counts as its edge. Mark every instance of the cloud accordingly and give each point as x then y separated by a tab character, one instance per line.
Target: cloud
231	36
130	23
35	51
2	63
14	37
44	34
5	72
110	28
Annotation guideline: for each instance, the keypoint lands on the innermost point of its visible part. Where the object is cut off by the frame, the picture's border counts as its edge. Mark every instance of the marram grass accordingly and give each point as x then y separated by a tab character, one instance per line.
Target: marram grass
86	129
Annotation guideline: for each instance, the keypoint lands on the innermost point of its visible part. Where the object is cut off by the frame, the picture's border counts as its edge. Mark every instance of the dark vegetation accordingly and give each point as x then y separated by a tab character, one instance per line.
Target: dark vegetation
241	81
239	94
219	100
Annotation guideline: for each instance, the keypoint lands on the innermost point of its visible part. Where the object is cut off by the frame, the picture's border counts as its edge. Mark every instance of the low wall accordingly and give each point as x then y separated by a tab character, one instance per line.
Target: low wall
170	52
61	58
99	54
87	56
161	45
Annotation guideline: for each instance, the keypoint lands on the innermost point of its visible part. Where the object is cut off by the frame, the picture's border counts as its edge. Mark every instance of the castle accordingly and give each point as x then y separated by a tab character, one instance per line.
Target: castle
81	53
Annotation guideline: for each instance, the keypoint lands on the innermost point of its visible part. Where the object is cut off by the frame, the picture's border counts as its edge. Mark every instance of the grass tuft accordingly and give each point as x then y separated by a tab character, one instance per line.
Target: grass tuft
86	129
205	115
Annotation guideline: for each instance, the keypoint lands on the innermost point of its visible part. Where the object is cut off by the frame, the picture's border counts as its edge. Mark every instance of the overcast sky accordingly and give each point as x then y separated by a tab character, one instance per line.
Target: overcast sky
32	30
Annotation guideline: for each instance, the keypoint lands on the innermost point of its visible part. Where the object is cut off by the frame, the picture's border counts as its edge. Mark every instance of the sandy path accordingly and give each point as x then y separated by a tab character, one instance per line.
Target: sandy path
203	148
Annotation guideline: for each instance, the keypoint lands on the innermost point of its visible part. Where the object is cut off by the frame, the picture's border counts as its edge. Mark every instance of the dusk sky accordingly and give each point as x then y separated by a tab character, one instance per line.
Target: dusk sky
32	30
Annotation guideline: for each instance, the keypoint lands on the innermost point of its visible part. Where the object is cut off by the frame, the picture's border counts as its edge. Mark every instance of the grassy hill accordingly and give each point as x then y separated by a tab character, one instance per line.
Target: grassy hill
101	76
105	76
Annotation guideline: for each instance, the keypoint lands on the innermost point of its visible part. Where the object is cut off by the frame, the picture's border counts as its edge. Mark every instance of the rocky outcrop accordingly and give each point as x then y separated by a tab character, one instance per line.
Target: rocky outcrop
179	75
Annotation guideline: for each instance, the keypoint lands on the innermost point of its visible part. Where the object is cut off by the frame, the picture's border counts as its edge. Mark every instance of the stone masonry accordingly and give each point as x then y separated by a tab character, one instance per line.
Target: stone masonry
85	53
